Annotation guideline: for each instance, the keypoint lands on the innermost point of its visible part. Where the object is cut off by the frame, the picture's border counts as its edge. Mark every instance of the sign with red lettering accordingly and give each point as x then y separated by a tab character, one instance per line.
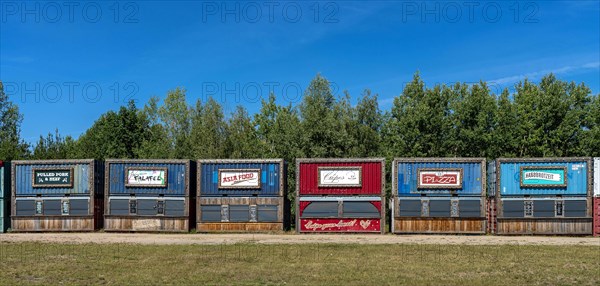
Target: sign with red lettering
440	178
340	225
239	178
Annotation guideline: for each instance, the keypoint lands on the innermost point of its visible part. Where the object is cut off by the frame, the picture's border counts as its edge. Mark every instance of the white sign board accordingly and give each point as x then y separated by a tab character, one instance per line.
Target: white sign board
440	178
239	179
340	176
146	177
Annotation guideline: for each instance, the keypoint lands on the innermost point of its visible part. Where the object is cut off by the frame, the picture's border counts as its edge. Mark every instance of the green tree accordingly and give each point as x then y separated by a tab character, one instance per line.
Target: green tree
242	140
473	120
505	132
177	121
114	135
53	146
591	134
367	131
156	144
419	123
564	107
324	133
208	134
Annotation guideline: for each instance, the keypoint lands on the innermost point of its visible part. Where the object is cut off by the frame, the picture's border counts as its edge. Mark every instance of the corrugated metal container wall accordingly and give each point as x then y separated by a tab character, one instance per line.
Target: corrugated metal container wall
4	197
23	180
596	177
271	178
472	184
577	178
176	185
371	178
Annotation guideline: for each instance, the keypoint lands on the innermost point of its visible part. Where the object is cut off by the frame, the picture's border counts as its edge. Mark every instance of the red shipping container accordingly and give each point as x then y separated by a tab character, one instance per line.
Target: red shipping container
340	176
596	216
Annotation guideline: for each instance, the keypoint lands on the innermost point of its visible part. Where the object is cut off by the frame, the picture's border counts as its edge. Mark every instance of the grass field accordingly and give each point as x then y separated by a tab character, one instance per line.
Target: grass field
329	264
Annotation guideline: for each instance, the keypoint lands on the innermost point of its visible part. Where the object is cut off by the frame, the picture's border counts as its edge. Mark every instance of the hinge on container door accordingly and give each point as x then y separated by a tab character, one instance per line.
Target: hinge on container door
225	213
559	208
65	207
132	206
528	208
454	209
424	207
160	207
39	207
253	217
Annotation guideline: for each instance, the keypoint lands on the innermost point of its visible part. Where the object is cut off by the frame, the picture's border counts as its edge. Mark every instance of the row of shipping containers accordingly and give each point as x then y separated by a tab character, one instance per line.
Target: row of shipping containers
148	195
429	195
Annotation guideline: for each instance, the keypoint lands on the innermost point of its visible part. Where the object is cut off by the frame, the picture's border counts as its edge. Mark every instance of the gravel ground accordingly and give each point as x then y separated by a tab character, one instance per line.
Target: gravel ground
208	239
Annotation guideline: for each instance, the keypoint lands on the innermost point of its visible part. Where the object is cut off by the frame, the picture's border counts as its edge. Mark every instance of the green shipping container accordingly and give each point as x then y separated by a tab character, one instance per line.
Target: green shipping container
4	196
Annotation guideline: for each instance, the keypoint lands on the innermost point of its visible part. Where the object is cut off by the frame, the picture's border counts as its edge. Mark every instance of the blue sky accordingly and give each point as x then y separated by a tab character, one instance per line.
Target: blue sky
64	63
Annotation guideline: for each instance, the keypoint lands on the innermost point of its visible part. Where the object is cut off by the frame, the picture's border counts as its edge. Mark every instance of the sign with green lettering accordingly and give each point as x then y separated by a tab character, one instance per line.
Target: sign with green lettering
52	178
543	177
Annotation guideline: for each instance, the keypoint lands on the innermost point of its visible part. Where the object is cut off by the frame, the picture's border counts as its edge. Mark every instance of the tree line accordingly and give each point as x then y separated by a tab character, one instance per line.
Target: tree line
552	118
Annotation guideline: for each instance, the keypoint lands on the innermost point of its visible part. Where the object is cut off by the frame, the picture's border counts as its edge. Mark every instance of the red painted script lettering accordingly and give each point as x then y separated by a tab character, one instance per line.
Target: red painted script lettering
340	225
433	179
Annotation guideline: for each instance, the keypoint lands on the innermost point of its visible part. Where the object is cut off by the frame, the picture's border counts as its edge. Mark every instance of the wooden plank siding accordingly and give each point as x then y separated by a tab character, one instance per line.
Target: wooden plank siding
48	223
546	226
440	225
146	224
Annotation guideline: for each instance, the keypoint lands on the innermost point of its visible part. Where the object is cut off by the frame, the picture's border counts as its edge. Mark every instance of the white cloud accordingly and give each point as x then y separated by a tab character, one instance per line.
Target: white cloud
538	74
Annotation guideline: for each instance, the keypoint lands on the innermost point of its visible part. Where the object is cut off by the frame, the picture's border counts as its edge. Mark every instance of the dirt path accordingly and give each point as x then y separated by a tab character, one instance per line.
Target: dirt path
145	238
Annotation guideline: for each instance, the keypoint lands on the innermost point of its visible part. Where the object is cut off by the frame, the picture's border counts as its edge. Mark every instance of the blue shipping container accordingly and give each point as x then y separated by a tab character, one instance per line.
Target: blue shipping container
545	176
177	177
82	177
407	176
269	181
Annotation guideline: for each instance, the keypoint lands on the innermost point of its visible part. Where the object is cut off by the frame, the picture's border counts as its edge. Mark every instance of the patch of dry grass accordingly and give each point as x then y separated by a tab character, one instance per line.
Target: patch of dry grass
315	264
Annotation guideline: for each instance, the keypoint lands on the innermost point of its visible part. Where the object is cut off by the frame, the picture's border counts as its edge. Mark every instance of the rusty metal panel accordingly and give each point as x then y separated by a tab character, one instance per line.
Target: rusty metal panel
371	180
